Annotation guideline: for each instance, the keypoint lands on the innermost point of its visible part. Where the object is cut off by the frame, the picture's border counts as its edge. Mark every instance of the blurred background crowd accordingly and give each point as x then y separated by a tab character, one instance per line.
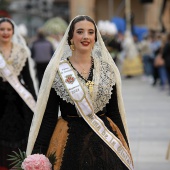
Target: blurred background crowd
135	32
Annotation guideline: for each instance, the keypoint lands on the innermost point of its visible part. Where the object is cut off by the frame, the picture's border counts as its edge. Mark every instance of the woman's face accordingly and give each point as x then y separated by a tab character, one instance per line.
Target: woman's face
84	36
6	32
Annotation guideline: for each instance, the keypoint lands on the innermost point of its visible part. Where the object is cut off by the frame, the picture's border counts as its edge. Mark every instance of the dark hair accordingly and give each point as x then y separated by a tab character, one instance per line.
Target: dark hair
40	34
78	19
7	20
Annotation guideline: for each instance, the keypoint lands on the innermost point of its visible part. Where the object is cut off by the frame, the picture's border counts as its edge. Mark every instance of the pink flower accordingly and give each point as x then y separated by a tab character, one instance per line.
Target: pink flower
36	162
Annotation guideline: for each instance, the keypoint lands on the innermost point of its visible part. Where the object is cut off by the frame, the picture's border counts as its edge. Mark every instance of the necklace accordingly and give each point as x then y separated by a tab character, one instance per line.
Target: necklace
88	83
83	69
84	72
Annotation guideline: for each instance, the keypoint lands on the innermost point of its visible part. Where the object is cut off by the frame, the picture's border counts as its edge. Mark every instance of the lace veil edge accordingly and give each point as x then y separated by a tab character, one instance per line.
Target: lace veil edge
47	82
19	39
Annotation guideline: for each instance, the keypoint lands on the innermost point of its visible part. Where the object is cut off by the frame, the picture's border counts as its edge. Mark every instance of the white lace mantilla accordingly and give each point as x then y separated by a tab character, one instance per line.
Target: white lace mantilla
17	59
103	79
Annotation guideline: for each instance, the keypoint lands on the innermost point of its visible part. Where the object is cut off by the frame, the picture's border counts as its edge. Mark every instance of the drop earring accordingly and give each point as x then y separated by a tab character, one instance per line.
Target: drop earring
72	47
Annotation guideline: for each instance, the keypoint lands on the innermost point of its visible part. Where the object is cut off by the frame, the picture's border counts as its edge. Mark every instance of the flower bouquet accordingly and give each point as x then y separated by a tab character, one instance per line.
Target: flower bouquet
20	161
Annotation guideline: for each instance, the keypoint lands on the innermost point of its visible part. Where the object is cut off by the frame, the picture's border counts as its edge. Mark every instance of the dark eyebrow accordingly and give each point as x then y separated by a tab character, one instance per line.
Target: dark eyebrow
91	29
80	29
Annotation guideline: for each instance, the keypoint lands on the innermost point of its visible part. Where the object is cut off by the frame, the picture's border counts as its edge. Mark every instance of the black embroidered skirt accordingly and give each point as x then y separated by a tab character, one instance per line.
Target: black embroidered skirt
78	147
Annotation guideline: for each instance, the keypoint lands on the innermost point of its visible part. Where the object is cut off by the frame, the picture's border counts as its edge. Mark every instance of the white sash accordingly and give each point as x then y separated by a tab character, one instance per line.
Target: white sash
85	108
14	82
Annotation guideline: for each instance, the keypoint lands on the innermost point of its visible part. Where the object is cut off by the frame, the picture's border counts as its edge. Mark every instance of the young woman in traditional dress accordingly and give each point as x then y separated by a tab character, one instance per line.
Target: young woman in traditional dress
17	94
84	82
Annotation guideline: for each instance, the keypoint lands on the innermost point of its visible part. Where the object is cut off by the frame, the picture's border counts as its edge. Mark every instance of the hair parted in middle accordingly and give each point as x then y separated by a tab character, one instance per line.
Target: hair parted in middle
7	20
78	19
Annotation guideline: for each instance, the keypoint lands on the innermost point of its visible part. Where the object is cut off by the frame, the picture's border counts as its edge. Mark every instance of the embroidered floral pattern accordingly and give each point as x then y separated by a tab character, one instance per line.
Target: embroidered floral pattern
18	58
102	75
86	151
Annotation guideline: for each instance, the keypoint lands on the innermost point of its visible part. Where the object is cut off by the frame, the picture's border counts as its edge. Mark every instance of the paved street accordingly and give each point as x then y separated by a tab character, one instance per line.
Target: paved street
148	116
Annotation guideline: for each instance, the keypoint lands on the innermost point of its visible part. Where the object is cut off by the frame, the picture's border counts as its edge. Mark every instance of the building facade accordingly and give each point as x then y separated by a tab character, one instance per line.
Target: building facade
154	15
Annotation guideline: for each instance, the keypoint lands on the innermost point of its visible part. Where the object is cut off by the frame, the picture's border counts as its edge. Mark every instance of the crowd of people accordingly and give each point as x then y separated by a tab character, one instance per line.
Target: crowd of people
154	49
81	80
148	58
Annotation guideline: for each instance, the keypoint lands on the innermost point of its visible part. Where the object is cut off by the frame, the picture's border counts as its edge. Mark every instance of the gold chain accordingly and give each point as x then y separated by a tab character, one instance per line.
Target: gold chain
84	71
89	83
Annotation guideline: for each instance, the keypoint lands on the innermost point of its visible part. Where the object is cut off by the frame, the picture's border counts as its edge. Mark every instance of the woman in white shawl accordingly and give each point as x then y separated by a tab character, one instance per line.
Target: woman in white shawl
17	92
83	80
